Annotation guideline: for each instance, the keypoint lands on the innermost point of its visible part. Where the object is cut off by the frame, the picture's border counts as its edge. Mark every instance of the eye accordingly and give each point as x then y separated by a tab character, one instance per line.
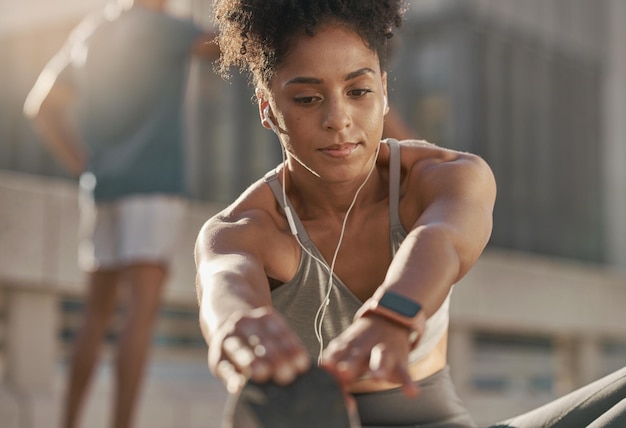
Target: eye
357	93
306	100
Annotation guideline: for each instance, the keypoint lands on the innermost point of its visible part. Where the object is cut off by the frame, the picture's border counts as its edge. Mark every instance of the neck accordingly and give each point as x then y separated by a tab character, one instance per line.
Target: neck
313	197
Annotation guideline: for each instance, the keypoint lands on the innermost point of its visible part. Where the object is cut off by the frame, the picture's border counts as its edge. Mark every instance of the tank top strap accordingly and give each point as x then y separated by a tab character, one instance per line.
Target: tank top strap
394	183
271	178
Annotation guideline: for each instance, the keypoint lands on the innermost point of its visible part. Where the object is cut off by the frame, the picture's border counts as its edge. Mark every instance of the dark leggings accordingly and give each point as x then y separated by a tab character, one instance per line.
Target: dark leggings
437	406
601	404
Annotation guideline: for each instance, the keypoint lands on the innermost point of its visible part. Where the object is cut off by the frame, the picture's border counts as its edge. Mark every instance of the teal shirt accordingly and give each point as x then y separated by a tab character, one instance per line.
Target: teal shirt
129	74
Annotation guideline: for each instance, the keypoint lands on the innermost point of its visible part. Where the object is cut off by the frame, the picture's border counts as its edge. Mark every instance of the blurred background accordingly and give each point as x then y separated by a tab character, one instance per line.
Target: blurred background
536	87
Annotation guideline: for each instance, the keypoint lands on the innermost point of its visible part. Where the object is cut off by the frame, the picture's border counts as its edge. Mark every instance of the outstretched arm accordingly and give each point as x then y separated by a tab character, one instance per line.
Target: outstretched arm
453	195
246	337
449	235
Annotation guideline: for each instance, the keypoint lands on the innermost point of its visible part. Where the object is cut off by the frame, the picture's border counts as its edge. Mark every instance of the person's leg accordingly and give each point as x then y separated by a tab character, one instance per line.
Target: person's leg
145	282
614	418
149	227
100	305
313	400
437	405
579	408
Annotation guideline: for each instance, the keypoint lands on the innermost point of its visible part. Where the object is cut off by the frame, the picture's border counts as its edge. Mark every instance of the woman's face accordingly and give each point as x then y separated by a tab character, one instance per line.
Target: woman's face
328	96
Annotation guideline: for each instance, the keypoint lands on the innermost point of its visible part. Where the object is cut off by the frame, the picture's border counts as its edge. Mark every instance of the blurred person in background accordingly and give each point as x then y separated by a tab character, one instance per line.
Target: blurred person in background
108	105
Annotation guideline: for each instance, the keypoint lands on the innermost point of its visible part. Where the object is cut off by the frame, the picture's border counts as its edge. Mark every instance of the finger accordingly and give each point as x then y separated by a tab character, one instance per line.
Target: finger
285	349
291	346
236	350
377	363
345	362
244	359
410	390
233	379
384	365
351	405
276	351
288	365
276	339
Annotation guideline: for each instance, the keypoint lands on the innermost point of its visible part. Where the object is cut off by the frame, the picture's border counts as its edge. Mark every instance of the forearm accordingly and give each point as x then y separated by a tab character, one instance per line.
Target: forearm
47	105
63	143
245	336
426	266
449	235
224	295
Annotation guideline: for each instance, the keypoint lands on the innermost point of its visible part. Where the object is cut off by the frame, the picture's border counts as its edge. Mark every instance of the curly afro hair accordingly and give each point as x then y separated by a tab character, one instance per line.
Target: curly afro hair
255	35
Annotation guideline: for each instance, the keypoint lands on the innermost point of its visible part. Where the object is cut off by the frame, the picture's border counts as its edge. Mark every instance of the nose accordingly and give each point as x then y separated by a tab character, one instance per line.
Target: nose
336	115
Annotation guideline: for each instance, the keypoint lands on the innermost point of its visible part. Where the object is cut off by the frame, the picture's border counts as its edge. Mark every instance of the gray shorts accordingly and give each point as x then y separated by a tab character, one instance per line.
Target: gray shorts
437	406
142	228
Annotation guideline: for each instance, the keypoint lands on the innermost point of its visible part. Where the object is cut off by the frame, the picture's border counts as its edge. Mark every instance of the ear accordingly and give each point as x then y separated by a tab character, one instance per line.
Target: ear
263	104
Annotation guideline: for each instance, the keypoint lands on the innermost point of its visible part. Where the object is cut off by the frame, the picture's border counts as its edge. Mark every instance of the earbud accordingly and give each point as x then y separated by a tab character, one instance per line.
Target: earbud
385	103
270	122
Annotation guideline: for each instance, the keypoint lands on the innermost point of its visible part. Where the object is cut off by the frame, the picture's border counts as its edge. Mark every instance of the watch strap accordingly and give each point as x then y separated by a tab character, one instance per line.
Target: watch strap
398	309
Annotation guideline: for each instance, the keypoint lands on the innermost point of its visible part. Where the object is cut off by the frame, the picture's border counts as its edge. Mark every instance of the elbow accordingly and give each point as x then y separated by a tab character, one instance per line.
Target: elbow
458	249
469	249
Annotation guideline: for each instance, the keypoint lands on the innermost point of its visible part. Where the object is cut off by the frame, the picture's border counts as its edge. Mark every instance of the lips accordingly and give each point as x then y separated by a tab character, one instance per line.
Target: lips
339	150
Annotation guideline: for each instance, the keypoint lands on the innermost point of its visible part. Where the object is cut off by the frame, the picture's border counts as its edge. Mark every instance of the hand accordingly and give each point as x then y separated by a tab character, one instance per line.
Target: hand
258	345
375	346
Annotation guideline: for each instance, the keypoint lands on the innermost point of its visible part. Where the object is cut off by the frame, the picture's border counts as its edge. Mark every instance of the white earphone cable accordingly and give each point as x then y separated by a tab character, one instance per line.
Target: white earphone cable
321	312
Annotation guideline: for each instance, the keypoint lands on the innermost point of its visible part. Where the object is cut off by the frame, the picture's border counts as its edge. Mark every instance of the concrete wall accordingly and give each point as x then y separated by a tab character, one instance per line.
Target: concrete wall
576	308
38	247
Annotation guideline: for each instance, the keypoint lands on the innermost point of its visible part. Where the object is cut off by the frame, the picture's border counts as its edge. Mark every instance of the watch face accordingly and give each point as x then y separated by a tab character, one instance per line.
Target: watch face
400	304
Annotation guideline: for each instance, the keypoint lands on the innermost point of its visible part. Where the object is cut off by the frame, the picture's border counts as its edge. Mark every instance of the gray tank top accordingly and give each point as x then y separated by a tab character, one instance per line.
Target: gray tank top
299	299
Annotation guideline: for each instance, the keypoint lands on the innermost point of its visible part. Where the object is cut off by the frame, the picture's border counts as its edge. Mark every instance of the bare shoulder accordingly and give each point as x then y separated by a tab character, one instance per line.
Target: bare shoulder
421	153
427	163
437	180
241	225
252	227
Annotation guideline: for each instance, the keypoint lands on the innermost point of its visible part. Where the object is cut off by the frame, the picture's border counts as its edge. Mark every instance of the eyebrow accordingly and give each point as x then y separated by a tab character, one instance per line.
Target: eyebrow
316	81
